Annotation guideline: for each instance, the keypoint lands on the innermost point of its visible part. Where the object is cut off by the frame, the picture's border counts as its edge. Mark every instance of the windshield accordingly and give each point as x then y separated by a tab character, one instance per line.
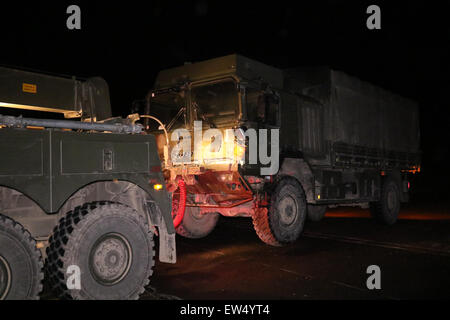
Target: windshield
216	103
168	107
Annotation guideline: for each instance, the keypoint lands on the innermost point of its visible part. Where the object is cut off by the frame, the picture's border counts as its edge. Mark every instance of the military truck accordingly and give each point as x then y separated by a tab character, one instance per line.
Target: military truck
341	142
85	196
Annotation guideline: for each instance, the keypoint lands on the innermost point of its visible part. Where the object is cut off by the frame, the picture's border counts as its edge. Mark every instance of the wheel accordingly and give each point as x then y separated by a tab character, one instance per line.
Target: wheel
112	246
316	212
20	263
197	225
284	221
387	208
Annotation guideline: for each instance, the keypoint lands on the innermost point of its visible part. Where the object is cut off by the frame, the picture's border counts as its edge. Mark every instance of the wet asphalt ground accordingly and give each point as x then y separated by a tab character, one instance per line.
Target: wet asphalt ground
329	261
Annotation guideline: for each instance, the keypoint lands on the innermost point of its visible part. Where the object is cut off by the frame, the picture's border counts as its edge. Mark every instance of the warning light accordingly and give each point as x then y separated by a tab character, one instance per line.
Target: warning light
318	196
157	186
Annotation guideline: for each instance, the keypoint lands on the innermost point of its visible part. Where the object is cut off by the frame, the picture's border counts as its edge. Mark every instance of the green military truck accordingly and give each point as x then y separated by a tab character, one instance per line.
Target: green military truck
341	142
86	196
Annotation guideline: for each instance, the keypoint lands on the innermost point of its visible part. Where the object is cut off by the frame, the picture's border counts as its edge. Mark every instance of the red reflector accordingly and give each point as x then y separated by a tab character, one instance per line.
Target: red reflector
155	169
409	185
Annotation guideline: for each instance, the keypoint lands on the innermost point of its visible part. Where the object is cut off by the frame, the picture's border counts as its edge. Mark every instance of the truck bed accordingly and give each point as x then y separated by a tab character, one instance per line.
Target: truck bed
355	123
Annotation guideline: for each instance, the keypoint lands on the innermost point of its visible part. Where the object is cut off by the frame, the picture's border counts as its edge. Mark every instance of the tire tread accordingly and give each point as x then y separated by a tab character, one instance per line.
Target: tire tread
59	245
26	239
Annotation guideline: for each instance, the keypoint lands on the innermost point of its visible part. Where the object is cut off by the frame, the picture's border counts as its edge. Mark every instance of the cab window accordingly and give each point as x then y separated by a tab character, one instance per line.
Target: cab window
262	107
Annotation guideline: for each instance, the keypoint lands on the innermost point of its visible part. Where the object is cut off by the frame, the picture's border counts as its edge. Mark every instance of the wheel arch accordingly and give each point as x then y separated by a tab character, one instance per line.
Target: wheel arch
26	211
299	169
154	206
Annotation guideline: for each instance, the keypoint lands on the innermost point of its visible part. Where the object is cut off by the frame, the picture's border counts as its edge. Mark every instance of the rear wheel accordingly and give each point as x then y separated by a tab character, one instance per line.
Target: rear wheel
20	263
111	245
284	221
316	212
387	208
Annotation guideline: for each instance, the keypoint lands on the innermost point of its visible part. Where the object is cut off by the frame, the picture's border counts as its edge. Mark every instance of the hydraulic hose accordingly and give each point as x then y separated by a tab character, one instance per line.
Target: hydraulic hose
160	123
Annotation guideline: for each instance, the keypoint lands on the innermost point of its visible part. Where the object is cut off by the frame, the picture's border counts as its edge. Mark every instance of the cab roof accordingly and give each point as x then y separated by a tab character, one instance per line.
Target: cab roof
232	65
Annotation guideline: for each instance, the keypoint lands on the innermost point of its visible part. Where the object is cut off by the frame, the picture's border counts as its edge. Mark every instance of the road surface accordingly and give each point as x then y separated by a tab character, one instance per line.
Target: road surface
329	261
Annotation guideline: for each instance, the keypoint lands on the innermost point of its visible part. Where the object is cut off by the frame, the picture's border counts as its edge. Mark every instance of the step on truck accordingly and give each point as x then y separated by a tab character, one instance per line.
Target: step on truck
86	196
302	140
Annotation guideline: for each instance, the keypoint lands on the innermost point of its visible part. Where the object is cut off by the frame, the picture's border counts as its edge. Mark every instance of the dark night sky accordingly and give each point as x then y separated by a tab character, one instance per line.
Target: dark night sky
128	42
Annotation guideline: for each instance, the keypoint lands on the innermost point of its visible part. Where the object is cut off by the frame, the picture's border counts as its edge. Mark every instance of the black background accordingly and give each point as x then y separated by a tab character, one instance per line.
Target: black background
128	42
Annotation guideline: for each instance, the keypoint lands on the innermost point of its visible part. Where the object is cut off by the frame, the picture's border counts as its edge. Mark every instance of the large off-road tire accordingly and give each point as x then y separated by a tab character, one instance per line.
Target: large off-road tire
387	208
20	263
316	212
262	227
197	225
284	221
112	246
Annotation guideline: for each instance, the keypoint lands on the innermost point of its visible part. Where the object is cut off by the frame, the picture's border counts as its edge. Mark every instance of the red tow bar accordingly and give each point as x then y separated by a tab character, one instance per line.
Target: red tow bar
179	215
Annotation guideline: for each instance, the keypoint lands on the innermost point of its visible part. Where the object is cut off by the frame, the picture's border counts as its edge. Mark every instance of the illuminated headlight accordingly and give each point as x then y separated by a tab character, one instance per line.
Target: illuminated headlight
157	186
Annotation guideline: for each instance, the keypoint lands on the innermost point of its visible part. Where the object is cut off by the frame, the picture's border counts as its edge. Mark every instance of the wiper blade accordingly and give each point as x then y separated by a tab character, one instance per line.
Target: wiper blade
180	112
